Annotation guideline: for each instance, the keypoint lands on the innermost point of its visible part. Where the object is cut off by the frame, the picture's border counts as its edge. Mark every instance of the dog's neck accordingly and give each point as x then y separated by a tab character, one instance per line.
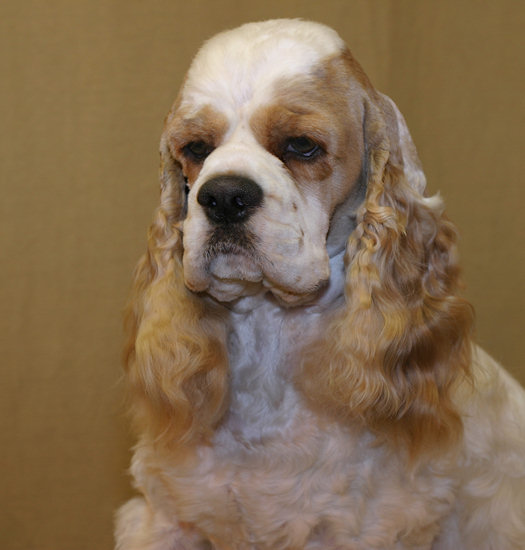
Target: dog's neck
265	342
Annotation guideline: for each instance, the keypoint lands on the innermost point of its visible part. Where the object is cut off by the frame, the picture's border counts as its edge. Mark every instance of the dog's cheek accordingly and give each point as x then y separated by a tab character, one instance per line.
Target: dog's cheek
294	255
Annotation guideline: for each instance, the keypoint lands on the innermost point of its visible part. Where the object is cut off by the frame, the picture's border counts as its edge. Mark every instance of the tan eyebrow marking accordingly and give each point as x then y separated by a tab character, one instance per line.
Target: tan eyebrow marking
208	125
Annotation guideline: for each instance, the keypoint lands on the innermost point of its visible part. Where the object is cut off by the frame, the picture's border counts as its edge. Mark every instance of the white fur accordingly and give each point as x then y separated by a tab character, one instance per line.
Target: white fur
241	68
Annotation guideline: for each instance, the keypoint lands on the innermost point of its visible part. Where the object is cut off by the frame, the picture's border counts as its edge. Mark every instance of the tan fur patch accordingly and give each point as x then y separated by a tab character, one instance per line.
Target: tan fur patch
317	106
207	125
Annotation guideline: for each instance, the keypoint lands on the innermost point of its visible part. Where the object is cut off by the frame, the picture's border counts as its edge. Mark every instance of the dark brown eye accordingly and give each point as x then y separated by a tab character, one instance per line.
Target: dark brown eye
302	147
197	150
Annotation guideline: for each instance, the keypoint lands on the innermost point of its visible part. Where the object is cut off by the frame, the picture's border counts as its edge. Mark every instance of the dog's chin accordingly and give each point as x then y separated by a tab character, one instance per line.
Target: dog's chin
226	277
229	277
233	276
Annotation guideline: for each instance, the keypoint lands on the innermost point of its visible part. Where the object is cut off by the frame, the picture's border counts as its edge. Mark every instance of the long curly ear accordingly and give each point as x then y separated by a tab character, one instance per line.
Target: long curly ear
392	356
175	357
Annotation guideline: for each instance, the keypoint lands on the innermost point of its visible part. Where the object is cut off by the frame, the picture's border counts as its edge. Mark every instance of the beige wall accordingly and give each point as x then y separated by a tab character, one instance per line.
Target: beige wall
84	86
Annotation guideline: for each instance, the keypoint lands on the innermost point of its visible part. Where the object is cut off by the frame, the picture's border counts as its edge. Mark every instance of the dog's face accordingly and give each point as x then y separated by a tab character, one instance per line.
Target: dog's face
268	135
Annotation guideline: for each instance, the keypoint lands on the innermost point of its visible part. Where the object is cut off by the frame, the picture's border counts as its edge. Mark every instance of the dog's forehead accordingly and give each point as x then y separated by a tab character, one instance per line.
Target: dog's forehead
238	66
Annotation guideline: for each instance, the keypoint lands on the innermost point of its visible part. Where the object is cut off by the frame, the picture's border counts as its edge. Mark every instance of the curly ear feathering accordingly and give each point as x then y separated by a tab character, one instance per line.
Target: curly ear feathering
392	354
300	362
177	366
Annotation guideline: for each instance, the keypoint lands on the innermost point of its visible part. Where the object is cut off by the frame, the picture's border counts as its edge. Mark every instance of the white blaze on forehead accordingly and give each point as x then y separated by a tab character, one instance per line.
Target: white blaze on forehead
236	66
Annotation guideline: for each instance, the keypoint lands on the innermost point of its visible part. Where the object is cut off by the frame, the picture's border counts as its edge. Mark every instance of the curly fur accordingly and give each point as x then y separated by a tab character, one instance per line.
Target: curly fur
177	364
404	336
279	407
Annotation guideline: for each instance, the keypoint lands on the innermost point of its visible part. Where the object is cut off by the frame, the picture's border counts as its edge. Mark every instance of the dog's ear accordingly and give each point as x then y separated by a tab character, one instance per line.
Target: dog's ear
172	186
393	353
175	356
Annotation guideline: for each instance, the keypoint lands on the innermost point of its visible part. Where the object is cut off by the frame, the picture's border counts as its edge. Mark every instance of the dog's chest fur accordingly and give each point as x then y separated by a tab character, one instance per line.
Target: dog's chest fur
265	346
279	477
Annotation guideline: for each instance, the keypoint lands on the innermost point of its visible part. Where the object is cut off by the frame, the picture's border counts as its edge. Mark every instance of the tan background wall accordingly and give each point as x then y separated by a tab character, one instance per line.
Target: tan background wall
84	87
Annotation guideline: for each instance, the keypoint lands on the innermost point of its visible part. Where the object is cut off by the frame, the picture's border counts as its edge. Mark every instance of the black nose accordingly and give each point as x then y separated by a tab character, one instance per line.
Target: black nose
229	199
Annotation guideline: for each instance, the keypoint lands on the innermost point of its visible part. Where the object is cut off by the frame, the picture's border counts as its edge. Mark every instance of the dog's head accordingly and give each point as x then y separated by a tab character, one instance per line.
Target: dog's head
269	147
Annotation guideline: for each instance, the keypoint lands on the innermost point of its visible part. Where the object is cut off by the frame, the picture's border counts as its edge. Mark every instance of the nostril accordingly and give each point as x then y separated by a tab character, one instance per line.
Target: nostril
229	199
207	200
239	203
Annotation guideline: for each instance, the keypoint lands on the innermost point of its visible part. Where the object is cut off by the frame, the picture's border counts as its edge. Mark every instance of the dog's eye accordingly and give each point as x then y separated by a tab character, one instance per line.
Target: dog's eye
197	150
302	146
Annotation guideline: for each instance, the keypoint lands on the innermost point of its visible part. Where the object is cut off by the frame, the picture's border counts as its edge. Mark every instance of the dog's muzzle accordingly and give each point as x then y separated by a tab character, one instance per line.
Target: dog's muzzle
242	237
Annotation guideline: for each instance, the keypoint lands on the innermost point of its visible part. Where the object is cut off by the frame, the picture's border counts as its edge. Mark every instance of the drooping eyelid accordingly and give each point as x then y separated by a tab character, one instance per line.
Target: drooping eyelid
290	151
275	124
319	136
180	144
197	150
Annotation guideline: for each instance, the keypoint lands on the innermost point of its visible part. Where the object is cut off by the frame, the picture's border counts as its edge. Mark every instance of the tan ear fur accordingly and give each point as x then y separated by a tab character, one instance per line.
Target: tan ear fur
175	357
393	353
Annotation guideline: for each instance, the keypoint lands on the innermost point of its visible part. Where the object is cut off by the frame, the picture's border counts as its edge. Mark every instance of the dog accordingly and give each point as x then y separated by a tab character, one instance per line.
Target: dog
300	365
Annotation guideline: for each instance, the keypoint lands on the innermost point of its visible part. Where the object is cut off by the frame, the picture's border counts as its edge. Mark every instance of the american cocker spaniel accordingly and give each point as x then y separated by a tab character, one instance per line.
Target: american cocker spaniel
300	364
